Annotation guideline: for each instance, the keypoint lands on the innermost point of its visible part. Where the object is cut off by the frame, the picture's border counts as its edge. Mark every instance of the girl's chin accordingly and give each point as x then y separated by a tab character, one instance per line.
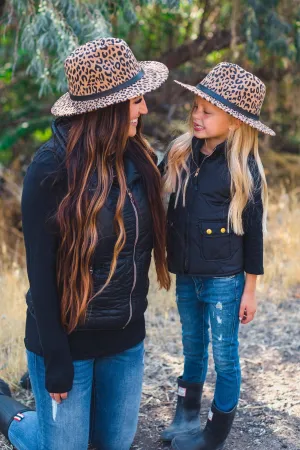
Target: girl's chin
199	134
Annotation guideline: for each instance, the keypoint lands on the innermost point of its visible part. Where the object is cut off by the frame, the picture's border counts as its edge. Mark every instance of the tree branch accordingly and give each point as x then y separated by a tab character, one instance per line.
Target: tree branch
199	47
204	18
2	6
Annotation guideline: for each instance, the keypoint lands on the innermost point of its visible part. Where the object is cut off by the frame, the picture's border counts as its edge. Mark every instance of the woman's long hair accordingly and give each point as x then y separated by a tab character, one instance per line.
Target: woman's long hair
240	144
96	142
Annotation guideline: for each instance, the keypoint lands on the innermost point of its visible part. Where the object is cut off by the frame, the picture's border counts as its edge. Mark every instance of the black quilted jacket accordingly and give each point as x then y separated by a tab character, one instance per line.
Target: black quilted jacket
198	242
115	318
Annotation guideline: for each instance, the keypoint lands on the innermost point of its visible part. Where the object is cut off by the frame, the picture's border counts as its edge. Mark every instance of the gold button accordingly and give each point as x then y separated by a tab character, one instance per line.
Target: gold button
209	231
223	230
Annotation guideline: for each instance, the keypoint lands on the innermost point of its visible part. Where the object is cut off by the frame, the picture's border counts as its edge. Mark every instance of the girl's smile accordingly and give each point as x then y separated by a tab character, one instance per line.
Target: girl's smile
197	127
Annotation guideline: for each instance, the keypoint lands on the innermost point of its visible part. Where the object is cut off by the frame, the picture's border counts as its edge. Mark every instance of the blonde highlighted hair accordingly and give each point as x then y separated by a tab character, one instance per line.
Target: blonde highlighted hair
241	143
97	142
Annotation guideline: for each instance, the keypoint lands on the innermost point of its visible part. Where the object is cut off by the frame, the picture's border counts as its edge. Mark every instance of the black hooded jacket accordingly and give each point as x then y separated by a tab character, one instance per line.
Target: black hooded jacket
198	241
115	318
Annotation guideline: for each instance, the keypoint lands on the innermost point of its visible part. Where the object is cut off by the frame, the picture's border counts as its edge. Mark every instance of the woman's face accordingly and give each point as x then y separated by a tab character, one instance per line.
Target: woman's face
136	109
209	121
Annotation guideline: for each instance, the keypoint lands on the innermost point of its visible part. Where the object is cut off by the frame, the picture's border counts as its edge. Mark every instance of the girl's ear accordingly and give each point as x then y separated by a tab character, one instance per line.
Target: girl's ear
235	124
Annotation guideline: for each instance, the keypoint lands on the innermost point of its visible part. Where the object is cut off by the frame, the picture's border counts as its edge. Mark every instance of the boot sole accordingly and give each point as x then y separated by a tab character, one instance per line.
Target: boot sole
193	430
176	448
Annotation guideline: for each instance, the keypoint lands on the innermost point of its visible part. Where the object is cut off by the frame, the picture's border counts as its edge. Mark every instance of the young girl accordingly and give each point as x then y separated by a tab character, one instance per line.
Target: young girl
92	213
216	218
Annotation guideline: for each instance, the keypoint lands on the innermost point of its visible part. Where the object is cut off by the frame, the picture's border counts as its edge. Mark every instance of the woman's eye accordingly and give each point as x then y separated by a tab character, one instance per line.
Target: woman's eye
138	101
206	112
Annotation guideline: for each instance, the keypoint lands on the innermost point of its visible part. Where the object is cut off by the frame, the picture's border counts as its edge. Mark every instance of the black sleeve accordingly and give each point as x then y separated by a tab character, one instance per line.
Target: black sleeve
161	167
39	202
253	227
163	164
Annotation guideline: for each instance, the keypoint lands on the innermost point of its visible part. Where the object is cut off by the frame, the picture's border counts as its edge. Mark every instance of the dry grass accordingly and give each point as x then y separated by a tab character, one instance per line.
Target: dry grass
282	245
13	284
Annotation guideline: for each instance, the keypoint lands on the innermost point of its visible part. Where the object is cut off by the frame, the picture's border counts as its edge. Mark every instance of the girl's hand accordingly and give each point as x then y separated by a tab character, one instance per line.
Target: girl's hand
59	397
248	307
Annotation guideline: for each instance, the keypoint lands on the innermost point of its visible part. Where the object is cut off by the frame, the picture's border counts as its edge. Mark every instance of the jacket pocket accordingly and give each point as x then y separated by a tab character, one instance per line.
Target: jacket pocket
215	239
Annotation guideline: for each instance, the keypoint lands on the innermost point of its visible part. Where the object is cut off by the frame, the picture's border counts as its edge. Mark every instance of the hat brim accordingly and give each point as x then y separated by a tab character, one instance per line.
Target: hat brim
253	123
156	74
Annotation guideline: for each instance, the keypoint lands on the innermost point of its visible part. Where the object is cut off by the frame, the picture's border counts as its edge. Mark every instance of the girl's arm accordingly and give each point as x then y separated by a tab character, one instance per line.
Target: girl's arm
248	303
253	248
39	202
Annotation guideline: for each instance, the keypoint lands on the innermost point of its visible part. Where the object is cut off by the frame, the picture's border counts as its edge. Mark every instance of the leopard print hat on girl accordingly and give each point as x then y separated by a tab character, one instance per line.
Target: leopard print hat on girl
104	72
236	91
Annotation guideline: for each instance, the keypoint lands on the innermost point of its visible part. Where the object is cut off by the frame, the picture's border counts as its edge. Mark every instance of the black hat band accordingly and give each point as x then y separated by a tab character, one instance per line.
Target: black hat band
226	102
120	87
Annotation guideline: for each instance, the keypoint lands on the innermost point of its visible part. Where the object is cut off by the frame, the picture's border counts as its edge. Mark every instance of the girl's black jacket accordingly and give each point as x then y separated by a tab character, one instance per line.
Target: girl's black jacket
115	319
198	242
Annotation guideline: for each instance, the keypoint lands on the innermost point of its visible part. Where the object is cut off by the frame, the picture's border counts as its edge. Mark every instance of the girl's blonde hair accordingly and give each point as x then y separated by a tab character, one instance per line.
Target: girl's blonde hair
240	144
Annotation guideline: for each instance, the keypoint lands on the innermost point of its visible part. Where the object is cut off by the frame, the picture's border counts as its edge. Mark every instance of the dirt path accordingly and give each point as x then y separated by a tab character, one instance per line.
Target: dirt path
269	412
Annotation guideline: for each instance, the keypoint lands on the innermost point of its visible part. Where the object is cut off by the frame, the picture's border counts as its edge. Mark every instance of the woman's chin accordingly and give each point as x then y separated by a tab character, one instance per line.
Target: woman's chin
132	131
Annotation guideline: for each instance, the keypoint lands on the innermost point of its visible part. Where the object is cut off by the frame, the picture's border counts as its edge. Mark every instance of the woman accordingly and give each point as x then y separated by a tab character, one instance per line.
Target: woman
92	213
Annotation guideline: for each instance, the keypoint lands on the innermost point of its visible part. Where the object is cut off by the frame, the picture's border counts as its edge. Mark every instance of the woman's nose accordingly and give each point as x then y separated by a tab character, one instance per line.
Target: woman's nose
143	107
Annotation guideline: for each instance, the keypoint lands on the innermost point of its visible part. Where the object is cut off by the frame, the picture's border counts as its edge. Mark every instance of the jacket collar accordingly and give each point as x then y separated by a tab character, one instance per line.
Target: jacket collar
197	145
60	130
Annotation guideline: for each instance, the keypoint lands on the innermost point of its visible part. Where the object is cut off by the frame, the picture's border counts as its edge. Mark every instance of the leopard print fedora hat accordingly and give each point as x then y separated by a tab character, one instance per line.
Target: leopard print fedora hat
104	72
236	91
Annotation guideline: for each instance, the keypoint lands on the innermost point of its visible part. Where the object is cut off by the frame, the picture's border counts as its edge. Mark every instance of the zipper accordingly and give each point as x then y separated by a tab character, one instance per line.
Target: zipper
133	257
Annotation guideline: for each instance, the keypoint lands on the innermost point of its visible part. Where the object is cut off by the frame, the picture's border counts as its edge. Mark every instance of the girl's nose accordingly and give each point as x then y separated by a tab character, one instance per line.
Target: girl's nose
143	107
197	114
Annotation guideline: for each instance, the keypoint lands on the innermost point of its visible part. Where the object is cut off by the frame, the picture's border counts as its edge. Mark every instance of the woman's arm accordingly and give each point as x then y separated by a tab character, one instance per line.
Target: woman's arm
40	200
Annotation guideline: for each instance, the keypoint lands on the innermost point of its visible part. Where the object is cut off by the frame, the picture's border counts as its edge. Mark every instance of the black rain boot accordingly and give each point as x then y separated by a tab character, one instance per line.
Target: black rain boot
214	435
25	382
10	409
187	415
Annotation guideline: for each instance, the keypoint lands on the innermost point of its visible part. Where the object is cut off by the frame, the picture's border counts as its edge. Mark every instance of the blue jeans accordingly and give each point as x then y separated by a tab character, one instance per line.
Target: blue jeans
216	302
102	406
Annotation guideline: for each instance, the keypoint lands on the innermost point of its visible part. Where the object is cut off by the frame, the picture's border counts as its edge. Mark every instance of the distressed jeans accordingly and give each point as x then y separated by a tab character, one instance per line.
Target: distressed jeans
102	406
214	302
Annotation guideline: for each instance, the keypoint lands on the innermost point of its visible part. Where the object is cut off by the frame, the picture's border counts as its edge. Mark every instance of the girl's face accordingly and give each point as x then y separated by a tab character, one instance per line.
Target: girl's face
137	107
209	121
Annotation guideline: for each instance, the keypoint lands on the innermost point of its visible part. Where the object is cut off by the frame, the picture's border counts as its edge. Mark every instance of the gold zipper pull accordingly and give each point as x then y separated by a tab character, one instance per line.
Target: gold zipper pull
197	172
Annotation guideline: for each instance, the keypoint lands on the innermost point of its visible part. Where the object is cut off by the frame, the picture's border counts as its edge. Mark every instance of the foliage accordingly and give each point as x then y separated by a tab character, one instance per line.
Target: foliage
190	36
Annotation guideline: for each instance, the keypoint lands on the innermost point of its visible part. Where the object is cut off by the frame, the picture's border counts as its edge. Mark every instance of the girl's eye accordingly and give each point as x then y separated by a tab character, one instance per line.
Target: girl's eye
206	112
195	106
138	101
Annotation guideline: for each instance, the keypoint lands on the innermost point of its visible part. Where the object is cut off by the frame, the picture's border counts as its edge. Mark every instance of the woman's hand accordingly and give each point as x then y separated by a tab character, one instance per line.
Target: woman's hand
59	397
248	302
